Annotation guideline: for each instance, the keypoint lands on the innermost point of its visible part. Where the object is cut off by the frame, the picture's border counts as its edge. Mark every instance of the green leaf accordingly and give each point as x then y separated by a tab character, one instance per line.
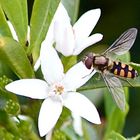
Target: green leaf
16	11
115	136
135	66
8	101
25	127
42	14
5	70
4	135
72	7
8	123
115	117
68	62
137	137
97	82
4	28
14	55
59	135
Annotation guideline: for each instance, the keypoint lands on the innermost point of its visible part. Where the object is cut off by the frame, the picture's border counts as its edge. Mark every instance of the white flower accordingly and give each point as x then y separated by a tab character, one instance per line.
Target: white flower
57	90
71	40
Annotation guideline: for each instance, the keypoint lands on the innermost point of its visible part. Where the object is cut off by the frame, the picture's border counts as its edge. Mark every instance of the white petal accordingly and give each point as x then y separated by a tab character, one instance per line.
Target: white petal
84	26
49	114
63	31
64	37
33	88
87	42
28	35
77	76
51	64
37	64
81	105
77	124
12	30
61	13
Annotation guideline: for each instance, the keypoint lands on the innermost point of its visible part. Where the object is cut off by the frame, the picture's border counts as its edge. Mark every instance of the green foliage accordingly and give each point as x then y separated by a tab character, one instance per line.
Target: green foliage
59	135
8	102
115	136
134	138
15	57
4	29
114	122
18	17
12	107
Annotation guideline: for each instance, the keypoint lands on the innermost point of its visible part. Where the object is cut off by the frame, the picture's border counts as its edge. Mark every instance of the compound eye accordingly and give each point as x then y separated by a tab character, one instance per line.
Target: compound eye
88	62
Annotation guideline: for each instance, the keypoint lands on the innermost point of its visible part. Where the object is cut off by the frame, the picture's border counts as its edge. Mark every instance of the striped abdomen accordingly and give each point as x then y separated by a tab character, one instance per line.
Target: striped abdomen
123	70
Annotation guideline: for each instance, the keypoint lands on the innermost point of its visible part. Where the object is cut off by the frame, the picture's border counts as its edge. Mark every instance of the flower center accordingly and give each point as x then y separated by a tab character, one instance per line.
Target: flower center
58	89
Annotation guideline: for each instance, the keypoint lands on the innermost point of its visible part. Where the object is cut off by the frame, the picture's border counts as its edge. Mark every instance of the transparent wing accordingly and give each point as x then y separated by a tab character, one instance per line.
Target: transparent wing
115	87
123	43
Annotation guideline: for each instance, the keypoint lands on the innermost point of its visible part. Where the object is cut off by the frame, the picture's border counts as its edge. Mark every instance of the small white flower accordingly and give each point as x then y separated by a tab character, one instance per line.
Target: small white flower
71	40
58	90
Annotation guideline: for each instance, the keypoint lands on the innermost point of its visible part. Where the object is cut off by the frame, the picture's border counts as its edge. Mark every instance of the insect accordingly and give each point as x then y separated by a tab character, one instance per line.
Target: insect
112	70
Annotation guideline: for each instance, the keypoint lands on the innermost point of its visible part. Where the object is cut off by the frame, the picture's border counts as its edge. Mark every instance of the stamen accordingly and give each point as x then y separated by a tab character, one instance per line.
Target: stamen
58	89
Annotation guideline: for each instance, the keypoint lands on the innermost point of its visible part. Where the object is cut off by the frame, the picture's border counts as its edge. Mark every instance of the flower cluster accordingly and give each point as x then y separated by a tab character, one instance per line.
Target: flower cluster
58	89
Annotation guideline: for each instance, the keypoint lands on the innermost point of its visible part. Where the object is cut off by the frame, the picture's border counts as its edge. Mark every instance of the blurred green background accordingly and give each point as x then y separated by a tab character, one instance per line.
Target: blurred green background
116	17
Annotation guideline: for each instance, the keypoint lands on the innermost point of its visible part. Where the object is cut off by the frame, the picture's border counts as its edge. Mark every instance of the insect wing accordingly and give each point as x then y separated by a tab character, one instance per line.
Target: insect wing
123	43
115	87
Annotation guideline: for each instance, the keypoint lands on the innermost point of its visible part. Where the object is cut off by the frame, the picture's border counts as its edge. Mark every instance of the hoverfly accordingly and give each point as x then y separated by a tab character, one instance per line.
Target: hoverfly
112	70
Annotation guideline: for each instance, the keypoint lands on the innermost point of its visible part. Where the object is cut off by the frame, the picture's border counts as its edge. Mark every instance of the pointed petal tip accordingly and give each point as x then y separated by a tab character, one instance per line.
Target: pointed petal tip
96	12
100	36
95	119
98	121
7	87
84	107
97	37
43	133
49	114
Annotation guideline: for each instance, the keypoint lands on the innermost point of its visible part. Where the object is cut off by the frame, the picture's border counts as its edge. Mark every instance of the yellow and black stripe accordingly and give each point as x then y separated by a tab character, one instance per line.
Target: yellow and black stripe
123	70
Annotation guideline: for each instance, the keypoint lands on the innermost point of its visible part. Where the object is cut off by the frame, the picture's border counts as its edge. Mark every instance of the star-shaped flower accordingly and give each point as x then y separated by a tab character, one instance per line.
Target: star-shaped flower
68	39
58	90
